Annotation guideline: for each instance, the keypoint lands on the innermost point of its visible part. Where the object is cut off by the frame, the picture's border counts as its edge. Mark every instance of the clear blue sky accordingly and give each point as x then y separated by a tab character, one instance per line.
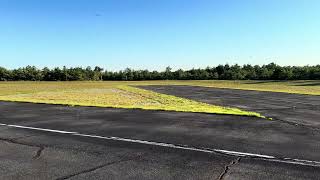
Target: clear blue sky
153	34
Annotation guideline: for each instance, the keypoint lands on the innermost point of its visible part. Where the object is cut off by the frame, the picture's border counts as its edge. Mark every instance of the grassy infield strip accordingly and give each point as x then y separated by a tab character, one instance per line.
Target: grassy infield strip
115	96
173	103
122	95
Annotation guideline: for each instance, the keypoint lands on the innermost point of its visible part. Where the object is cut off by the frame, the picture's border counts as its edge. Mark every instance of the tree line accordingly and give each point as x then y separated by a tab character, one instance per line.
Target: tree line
270	71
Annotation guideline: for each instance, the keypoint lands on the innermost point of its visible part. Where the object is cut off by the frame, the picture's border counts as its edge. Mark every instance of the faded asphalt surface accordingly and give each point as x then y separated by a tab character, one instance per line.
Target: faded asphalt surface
303	110
33	154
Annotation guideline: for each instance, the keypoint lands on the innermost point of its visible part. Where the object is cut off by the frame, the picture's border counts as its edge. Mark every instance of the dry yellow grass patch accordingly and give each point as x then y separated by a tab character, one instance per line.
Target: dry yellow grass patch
106	94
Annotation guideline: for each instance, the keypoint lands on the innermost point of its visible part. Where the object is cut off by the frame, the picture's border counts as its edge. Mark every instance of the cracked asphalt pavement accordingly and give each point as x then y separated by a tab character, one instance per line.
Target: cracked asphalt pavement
296	109
33	154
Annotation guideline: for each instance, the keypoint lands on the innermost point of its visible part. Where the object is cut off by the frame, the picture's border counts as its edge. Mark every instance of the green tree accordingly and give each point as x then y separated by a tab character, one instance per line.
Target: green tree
5	75
97	73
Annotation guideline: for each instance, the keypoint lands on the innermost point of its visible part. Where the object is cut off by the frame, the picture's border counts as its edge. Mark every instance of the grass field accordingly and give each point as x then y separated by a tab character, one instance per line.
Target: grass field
122	95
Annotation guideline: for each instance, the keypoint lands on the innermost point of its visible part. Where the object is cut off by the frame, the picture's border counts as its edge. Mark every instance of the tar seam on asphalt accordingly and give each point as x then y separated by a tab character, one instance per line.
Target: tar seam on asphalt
183	147
98	167
227	167
39	152
14	141
295	124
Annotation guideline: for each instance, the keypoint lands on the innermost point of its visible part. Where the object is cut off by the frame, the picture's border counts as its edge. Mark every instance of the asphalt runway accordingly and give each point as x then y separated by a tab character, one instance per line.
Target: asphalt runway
41	141
303	110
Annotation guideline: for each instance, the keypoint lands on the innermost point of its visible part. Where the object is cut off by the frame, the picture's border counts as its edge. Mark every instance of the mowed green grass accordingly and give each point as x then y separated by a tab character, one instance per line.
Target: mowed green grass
122	94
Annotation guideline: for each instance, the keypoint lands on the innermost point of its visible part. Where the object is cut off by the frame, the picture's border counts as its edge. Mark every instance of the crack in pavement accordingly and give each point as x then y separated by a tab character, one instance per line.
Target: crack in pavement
38	152
20	143
98	167
227	168
295	106
182	147
295	124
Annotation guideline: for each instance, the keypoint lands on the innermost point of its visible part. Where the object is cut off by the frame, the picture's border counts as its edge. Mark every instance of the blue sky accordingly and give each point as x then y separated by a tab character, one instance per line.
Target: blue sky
153	34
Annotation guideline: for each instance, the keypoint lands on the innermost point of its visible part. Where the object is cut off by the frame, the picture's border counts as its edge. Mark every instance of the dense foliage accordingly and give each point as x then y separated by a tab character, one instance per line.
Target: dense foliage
223	72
